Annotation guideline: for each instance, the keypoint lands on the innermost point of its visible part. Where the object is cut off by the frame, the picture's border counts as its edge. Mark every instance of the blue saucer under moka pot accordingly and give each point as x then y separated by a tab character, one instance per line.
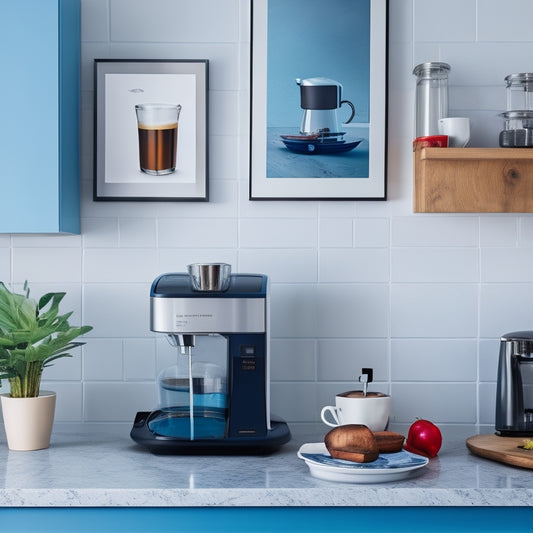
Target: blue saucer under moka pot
216	397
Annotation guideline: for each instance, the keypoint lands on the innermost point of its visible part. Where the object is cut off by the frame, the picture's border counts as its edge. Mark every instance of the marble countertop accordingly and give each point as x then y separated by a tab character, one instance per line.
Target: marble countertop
99	466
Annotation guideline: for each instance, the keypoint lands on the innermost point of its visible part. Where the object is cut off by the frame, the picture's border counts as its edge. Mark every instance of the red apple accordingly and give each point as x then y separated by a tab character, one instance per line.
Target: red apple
424	438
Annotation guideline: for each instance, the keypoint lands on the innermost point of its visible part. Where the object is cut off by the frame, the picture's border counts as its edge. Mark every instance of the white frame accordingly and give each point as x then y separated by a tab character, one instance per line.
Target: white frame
371	188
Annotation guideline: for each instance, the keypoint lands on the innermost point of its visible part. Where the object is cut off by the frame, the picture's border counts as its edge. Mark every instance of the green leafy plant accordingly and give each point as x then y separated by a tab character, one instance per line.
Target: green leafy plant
32	335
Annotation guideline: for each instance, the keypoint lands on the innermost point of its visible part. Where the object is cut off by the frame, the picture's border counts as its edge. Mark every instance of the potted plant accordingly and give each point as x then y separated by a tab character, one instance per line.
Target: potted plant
32	335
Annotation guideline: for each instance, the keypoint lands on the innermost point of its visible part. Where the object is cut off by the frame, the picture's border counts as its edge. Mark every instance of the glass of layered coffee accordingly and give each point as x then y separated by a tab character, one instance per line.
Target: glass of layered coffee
158	137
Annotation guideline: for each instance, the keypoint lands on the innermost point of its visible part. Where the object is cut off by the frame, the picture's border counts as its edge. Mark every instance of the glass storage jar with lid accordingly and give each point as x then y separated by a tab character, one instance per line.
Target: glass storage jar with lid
519	89
431	97
518	119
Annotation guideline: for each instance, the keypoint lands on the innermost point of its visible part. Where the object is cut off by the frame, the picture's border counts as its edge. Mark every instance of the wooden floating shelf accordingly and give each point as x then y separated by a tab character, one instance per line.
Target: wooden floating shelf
473	180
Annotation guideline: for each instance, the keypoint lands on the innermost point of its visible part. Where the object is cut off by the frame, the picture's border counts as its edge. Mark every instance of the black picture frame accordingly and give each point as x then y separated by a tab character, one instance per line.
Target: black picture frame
120	86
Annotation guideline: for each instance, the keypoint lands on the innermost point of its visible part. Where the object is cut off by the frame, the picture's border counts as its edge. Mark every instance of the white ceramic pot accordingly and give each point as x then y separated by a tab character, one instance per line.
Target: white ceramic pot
28	421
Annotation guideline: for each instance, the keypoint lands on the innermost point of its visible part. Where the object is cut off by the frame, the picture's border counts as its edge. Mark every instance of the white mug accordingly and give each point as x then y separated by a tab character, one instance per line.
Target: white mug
457	129
353	407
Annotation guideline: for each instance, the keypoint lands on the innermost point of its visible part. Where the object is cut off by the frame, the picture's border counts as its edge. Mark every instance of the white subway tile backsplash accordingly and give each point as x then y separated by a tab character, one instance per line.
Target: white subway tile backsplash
139	359
176	260
278	233
434	265
94	20
525	231
336	233
342	359
116	402
487	403
295	402
372	232
504	307
137	233
197	233
352	310
354	265
424	52
54	240
457	22
434	401
498	230
401	11
66	368
506	265
335	209
43	265
117	310
223	158
489	350
122	265
103	360
99	232
433	360
486	63
223	110
171	21
69	400
165	354
293	360
281	266
504	21
464	98
5	265
293	311
485	127
434	310
423	230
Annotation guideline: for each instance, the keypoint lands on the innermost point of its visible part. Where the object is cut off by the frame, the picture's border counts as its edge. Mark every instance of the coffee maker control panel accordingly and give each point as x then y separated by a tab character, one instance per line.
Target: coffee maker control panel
177	308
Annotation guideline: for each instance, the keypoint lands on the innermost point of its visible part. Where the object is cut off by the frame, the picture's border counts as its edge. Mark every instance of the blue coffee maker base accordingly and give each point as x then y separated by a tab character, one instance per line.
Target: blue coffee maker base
272	440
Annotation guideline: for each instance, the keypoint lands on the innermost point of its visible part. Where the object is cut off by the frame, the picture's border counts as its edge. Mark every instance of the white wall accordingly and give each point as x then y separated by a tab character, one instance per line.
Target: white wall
422	299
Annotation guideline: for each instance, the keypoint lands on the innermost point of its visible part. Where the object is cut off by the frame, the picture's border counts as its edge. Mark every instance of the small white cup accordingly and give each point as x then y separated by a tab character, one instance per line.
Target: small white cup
353	407
457	129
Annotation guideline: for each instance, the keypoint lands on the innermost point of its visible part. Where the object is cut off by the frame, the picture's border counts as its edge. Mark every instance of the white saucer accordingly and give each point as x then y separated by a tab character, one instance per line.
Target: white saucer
388	467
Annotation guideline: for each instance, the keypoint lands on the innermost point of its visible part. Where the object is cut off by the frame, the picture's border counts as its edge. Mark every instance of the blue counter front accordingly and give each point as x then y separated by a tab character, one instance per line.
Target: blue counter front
271	520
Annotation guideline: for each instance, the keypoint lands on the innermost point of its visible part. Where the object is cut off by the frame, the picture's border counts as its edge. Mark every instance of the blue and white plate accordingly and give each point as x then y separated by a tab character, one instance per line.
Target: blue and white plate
387	467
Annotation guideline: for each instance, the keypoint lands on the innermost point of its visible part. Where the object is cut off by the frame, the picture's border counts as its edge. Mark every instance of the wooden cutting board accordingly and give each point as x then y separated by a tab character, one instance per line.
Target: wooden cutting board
502	449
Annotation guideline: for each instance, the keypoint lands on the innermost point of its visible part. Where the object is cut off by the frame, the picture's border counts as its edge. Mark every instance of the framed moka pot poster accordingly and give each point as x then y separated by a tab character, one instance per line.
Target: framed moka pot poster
318	99
151	130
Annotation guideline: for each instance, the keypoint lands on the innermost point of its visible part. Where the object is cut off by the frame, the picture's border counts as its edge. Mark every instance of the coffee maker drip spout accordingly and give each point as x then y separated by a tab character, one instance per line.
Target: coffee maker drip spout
182	341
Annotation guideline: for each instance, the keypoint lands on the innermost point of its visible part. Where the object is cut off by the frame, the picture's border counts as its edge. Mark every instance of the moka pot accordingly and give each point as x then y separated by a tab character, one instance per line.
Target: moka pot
320	98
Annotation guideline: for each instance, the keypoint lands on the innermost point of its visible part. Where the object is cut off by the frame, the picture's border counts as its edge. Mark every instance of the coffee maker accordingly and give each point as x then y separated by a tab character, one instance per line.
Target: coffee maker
216	398
514	391
320	98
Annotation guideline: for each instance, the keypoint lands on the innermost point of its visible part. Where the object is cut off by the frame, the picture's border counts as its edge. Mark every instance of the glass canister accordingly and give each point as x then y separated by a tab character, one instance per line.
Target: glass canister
519	89
518	119
431	97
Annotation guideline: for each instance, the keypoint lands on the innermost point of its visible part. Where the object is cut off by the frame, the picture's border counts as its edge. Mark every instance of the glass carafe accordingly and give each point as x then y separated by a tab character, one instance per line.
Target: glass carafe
193	399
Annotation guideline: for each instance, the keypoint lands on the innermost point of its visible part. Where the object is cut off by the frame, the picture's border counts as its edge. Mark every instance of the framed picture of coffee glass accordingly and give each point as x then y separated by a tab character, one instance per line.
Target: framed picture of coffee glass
318	100
151	130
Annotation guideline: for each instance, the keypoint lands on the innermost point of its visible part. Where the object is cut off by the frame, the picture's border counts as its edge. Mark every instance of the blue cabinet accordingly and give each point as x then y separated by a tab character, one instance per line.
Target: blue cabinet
39	131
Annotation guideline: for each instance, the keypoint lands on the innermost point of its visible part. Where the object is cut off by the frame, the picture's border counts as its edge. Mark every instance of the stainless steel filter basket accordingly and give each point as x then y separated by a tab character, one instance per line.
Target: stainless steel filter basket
209	276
